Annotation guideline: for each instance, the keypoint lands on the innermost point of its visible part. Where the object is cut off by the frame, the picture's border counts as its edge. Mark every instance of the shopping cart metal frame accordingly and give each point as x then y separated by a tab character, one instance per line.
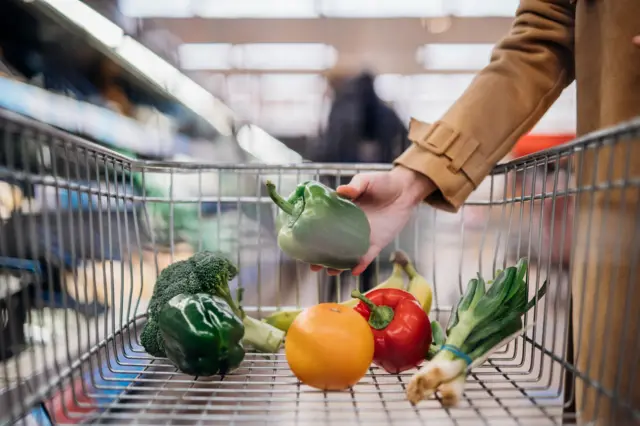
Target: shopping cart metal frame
109	378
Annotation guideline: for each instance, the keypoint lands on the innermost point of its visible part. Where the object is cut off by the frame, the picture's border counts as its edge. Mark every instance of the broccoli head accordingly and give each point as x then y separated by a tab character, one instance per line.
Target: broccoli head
204	272
213	271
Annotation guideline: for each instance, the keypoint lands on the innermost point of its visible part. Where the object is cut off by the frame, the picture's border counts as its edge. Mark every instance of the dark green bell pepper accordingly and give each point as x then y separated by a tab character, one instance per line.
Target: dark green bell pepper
317	226
202	336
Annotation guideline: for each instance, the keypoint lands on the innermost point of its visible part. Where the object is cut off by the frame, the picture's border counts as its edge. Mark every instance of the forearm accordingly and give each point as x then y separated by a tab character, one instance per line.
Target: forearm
529	69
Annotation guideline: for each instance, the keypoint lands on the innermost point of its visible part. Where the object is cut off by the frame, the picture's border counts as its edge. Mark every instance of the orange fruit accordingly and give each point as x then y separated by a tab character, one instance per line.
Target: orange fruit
329	346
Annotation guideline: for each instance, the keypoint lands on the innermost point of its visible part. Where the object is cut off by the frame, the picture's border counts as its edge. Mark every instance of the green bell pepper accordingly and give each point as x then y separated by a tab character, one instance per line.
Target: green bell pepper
319	227
202	336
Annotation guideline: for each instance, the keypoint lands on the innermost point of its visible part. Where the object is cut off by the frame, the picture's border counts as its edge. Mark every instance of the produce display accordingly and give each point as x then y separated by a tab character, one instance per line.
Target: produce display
482	321
319	227
401	328
329	347
204	272
195	323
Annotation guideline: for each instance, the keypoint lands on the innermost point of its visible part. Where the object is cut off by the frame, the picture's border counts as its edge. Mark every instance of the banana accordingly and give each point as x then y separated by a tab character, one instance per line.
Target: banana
282	320
418	285
395	280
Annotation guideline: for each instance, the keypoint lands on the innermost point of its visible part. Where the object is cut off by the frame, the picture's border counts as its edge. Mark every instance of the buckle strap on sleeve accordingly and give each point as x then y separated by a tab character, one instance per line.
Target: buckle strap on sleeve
461	150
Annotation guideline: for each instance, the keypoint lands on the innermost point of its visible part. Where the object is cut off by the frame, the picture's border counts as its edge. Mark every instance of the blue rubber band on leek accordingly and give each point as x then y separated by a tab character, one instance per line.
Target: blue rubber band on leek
457	352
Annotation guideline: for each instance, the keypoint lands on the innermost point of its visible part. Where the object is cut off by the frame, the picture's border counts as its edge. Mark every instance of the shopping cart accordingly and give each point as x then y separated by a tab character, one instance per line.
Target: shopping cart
86	365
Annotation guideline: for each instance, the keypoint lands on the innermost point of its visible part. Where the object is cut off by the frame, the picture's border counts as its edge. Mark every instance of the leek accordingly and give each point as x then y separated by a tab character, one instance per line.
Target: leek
482	319
437	340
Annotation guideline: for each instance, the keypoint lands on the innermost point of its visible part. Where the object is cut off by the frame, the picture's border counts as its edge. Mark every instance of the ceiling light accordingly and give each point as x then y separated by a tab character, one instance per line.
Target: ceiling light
258	56
483	8
422	87
265	147
203	103
86	18
289	128
205	56
257	9
382	8
153	66
289	56
292	112
287	87
155	8
302	9
214	83
435	87
245	84
389	87
453	56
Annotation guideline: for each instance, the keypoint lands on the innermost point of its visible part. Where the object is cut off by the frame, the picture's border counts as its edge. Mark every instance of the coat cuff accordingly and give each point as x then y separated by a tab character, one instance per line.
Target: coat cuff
453	161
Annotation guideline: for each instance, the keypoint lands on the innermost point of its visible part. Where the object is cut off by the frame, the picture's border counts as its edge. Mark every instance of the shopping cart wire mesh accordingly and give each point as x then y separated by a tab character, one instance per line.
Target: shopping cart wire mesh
100	227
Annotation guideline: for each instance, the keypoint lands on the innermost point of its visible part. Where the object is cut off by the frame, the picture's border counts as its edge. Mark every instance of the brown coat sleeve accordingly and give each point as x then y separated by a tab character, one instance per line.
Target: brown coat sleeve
529	69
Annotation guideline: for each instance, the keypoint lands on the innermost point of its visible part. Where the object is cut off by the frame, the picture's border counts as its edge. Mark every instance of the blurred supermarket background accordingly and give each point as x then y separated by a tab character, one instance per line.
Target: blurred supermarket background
269	82
279	64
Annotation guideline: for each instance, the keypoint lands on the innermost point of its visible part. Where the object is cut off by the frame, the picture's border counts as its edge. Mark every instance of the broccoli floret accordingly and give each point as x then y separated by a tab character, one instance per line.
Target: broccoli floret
175	279
213	271
151	340
204	272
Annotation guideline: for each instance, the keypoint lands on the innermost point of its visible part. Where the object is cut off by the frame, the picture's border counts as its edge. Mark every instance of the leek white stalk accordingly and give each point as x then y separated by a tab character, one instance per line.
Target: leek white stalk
451	391
426	381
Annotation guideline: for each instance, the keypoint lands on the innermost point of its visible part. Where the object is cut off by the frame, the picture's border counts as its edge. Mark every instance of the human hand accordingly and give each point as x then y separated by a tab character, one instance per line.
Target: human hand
388	200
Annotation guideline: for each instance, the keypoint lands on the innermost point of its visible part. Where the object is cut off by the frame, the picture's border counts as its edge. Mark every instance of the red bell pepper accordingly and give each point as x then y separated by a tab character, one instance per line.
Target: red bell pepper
401	329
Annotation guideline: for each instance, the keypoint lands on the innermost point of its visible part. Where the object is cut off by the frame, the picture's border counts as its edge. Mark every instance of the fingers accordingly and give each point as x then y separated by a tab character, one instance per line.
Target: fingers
636	40
332	272
355	188
366	260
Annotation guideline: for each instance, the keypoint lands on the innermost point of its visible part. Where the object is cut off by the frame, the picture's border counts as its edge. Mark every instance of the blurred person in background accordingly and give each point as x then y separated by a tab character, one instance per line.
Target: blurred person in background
551	44
361	129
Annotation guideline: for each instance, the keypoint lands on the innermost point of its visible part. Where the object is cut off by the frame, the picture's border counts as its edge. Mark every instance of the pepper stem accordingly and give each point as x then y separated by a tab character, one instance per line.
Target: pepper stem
286	206
380	317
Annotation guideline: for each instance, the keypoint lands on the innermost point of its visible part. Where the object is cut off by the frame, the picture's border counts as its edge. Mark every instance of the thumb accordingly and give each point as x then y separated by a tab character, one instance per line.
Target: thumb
355	188
366	260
